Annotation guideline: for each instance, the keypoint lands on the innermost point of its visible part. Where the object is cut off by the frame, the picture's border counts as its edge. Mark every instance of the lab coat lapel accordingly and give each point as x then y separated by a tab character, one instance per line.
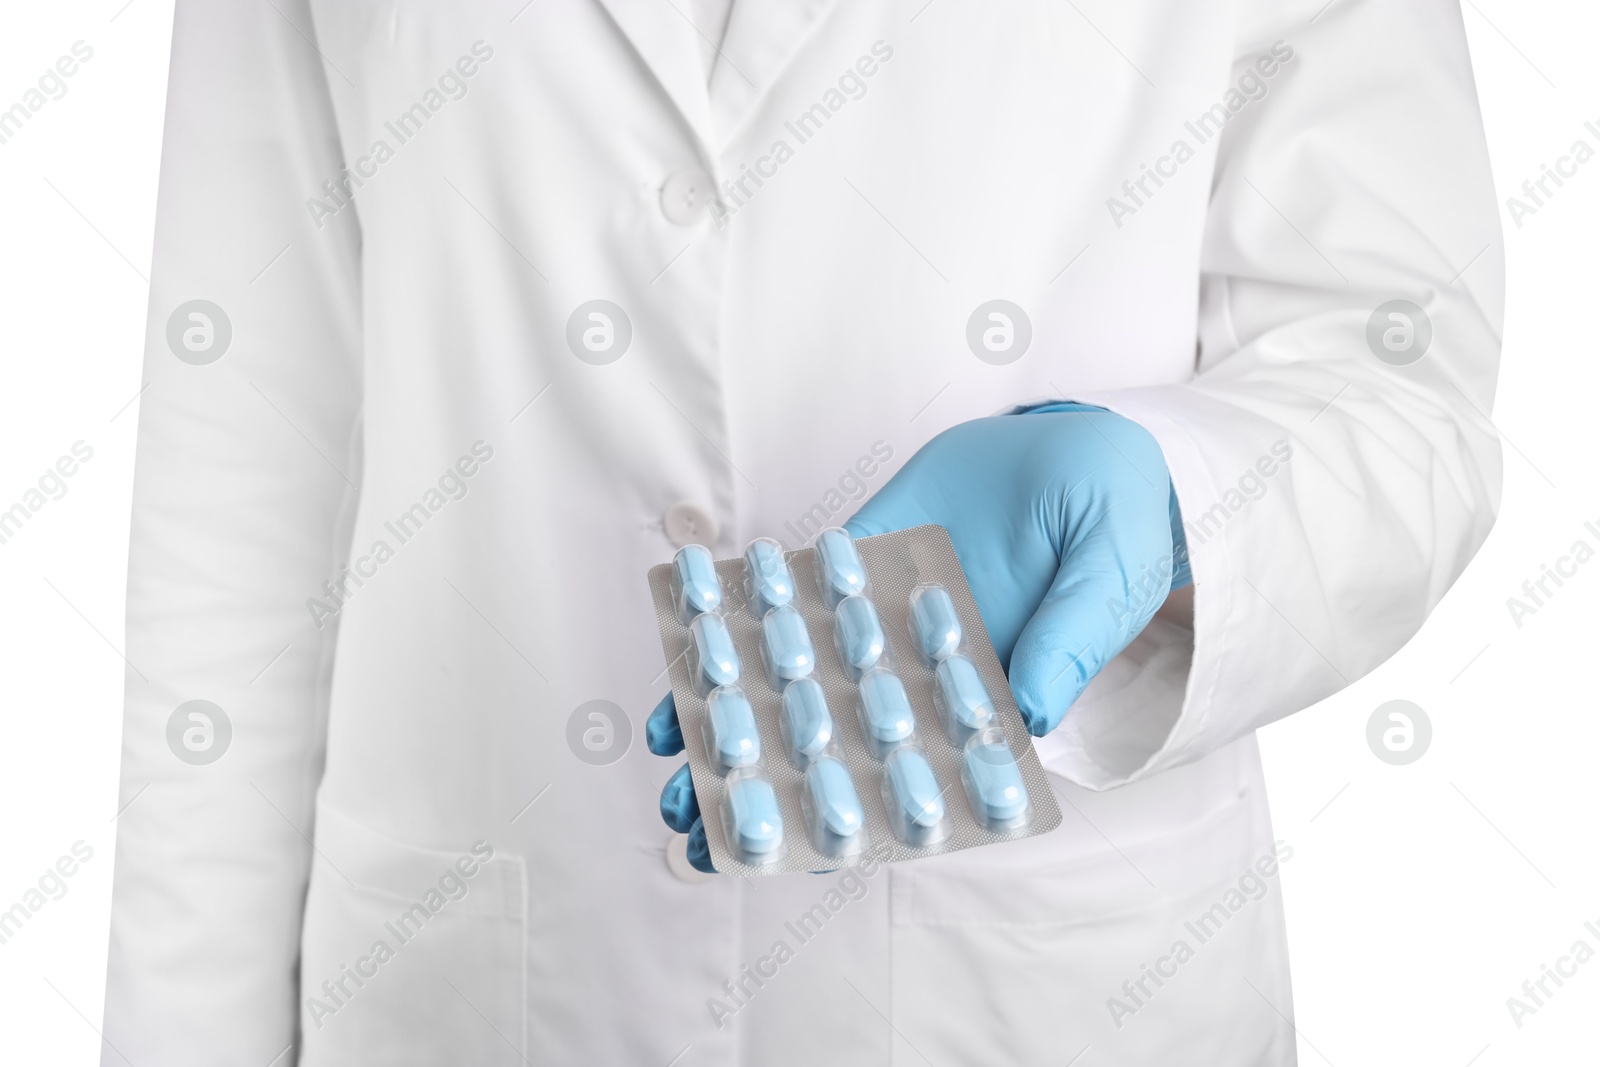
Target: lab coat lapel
763	36
667	43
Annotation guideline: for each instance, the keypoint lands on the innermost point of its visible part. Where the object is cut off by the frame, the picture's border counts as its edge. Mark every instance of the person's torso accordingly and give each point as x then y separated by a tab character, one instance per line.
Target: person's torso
888	171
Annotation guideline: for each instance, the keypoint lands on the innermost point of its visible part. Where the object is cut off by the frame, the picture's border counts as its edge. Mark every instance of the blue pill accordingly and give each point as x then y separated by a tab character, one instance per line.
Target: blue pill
771	583
839	566
806	717
734	738
916	791
756	825
695	573
934	623
962	691
834	803
994	781
788	645
713	645
885	709
861	640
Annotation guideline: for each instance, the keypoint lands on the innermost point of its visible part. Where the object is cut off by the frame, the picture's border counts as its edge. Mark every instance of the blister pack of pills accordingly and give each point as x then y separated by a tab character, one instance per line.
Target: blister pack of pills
844	697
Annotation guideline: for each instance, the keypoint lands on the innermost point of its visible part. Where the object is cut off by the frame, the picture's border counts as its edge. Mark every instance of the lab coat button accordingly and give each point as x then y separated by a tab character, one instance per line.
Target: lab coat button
685	195
687	524
678	861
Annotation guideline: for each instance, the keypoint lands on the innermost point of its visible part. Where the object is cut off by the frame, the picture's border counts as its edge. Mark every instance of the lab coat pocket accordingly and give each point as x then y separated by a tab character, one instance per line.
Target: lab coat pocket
411	956
1073	938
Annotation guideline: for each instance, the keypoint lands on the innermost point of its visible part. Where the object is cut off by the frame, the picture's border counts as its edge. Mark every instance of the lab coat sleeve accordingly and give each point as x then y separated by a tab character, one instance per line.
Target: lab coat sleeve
1329	498
245	470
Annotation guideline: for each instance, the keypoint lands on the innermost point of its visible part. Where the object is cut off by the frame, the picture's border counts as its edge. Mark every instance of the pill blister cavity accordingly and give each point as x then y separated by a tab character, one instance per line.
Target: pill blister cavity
858	635
695	586
912	798
787	644
714	659
993	782
832	809
751	819
840	572
732	738
768	581
961	698
885	711
934	624
807	723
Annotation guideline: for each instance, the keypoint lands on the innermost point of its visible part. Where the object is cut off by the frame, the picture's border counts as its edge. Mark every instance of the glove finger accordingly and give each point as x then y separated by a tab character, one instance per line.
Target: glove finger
662	734
680	808
1113	576
700	849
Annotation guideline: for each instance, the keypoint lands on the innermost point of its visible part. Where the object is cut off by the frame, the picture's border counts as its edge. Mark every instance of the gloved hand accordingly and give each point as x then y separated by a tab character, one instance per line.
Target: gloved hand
1066	523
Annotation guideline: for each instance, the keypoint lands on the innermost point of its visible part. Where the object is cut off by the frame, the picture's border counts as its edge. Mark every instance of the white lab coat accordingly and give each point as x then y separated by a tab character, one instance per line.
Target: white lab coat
377	342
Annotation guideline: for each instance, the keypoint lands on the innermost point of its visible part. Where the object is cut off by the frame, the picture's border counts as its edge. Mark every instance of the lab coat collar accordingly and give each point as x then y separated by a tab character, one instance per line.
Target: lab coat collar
668	44
763	36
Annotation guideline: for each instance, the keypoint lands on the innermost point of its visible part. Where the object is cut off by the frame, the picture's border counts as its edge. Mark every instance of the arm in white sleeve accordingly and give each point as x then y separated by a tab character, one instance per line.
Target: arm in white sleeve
243	474
1329	498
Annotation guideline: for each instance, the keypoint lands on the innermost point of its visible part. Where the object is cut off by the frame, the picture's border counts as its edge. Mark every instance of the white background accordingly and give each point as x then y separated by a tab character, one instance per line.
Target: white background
1419	897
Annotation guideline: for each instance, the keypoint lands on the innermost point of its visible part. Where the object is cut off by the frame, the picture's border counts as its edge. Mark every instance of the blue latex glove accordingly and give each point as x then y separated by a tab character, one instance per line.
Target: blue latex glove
1066	523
